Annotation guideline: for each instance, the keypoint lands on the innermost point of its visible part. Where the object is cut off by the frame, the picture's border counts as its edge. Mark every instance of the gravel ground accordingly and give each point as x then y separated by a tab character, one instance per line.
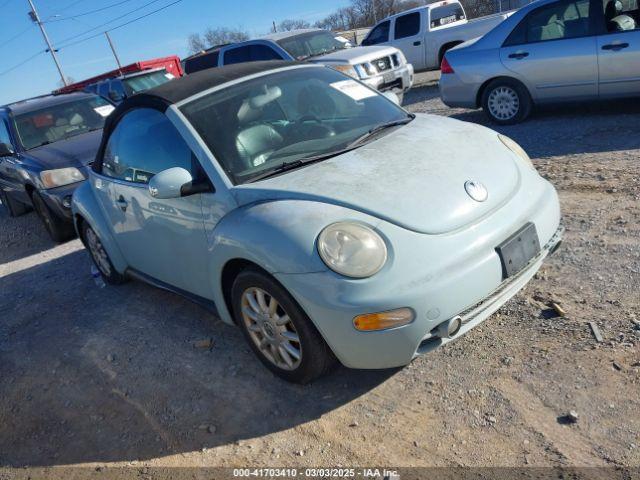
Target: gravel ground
113	377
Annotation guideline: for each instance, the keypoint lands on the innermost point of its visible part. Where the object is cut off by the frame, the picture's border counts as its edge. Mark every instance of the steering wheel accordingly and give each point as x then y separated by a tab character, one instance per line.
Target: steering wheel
320	129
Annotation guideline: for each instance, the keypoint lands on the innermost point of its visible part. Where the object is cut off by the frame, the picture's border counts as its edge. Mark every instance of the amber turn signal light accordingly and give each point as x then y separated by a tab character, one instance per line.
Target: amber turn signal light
371	322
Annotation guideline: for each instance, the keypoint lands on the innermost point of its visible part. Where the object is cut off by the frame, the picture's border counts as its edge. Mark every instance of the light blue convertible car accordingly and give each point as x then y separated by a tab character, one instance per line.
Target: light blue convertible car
316	214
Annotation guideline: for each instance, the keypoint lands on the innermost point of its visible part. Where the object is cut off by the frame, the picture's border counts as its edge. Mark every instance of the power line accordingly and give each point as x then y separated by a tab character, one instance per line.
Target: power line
22	62
121	25
108	22
88	13
20	33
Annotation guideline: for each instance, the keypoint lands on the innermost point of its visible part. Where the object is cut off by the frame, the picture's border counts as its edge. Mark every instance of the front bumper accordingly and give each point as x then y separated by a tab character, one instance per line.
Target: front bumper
59	200
398	80
439	277
457	94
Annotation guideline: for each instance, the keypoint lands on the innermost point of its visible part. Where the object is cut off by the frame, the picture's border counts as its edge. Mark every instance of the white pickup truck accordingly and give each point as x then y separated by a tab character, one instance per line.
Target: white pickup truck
424	34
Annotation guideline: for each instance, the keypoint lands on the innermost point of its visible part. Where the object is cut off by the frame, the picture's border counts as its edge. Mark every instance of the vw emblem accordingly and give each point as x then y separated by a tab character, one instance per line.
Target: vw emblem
476	190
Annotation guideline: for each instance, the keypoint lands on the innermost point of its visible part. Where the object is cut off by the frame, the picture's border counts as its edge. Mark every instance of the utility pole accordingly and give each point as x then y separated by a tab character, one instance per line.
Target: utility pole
274	27
33	14
113	49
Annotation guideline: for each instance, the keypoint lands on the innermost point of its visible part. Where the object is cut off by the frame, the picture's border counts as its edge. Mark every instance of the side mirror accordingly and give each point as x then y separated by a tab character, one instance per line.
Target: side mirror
168	183
6	150
176	182
392	96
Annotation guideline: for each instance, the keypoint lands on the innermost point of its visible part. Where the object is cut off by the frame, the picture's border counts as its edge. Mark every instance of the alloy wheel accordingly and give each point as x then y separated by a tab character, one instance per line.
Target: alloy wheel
271	328
98	252
504	103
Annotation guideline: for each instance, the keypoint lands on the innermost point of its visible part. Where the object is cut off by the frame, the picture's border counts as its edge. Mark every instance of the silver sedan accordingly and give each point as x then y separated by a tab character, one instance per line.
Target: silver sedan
547	52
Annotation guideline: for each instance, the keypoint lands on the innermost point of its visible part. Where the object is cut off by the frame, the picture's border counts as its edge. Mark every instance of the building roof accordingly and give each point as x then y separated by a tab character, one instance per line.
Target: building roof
44	101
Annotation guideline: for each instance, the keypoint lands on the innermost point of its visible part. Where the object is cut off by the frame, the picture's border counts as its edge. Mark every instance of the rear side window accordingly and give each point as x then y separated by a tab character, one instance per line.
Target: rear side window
201	62
263	52
4	133
557	21
446	14
144	143
237	55
407	25
379	34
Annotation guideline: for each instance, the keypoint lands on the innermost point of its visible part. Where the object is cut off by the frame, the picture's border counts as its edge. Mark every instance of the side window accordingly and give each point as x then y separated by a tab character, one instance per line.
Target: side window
117	91
4	133
379	34
201	62
557	21
621	15
237	55
144	143
407	25
103	89
263	52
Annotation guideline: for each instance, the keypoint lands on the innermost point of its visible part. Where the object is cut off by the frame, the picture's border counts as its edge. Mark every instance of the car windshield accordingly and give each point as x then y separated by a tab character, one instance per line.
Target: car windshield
312	44
256	126
61	121
140	83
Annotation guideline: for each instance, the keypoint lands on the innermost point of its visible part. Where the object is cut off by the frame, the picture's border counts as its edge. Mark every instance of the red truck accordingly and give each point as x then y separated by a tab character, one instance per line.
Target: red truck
120	83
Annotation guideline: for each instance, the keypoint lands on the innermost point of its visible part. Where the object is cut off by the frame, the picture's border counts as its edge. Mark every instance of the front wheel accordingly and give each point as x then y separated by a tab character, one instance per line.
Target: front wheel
506	102
277	329
59	230
100	256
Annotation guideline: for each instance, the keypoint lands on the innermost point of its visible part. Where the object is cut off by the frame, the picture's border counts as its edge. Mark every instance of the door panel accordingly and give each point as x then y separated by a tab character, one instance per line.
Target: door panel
408	37
559	69
163	238
619	64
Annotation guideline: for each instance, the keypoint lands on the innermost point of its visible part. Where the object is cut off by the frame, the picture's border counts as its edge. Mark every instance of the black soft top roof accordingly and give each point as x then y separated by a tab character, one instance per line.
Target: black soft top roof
189	85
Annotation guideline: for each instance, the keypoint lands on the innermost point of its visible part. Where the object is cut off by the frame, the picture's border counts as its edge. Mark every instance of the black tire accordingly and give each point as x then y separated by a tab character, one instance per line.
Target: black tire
316	360
109	273
510	101
59	230
13	207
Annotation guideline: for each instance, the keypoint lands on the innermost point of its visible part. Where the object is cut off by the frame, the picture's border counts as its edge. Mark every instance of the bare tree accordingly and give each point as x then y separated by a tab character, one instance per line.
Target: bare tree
290	24
215	36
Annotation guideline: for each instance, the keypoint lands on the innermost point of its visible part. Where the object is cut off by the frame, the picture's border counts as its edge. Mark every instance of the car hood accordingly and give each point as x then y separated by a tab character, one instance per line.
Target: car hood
413	177
76	151
356	55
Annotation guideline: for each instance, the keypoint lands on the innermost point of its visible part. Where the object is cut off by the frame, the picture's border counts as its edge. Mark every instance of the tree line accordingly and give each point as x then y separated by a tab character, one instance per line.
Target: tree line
359	14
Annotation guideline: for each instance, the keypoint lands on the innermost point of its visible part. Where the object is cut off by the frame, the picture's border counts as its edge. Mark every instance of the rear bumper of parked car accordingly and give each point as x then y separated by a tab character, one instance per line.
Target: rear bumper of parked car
457	94
469	285
399	80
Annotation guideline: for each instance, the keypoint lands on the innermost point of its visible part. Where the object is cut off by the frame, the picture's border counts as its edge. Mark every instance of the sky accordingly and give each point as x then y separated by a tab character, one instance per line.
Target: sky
161	34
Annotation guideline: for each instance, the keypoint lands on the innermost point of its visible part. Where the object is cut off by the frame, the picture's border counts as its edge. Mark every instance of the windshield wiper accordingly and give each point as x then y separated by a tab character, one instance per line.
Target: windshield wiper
378	128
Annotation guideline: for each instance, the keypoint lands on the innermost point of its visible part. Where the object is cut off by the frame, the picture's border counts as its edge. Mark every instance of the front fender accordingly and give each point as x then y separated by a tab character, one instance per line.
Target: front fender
85	205
279	236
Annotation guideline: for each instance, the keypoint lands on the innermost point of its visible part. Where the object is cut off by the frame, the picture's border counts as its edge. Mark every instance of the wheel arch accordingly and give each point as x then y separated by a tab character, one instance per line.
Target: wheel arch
230	271
444	48
486	83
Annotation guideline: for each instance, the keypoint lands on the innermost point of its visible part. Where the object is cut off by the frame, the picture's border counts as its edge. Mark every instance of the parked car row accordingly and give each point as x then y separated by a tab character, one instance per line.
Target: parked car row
383	68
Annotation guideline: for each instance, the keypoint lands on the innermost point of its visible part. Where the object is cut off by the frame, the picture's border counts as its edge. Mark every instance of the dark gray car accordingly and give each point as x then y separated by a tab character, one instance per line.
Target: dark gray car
46	146
547	52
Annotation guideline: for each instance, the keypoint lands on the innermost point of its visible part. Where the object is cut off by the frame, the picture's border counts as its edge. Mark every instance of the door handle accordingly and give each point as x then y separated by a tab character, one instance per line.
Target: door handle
417	43
122	203
615	46
519	55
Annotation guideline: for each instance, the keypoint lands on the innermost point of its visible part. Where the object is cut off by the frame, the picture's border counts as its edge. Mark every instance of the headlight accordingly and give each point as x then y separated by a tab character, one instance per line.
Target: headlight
365	70
348	69
352	249
60	177
517	149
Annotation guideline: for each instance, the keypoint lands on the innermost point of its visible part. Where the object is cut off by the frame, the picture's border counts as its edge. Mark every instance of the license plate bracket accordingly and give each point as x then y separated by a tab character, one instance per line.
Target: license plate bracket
518	250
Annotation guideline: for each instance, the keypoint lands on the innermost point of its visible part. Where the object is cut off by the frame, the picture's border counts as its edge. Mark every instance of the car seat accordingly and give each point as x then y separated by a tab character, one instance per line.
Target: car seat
616	21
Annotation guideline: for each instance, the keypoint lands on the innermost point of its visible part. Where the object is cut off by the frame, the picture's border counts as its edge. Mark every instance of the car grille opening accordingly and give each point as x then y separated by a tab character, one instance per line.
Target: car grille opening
382	64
